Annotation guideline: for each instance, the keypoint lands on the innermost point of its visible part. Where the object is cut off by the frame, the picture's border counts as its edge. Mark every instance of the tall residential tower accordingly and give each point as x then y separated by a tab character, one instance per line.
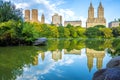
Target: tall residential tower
92	21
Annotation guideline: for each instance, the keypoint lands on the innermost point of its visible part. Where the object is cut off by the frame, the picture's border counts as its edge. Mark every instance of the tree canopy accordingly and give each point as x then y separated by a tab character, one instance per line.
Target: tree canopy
8	12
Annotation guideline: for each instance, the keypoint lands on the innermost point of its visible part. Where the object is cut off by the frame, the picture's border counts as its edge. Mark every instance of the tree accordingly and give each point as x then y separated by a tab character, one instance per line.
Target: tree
69	26
116	31
93	32
8	12
29	32
66	33
100	26
80	31
107	32
61	31
73	32
10	32
54	32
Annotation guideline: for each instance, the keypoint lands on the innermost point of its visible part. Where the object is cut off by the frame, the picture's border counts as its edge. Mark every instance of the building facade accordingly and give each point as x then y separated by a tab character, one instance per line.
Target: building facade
32	16
114	24
35	15
42	19
57	19
73	23
27	15
92	21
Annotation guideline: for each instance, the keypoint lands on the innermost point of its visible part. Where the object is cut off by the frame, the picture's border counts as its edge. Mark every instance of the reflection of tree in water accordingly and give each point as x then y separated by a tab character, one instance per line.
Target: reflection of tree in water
13	59
98	44
68	44
115	50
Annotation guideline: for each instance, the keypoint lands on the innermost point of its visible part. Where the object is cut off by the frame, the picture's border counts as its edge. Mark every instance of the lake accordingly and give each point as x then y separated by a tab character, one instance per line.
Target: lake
60	59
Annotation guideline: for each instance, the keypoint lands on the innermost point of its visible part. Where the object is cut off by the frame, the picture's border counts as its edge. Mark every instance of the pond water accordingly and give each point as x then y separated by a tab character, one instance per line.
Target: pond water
60	59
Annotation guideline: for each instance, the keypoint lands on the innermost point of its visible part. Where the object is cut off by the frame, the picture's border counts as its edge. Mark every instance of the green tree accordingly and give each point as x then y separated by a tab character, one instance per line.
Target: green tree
29	32
8	12
69	26
93	32
116	31
10	32
54	31
81	31
107	32
66	32
100	26
73	32
61	32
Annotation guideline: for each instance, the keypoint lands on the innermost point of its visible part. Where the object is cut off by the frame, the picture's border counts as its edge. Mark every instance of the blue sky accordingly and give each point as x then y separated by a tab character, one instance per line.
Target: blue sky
70	9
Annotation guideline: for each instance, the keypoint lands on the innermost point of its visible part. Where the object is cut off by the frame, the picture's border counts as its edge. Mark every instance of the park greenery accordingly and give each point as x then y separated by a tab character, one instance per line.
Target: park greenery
14	31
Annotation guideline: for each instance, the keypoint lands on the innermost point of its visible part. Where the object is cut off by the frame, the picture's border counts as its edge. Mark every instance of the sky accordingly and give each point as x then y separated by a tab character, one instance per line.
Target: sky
70	9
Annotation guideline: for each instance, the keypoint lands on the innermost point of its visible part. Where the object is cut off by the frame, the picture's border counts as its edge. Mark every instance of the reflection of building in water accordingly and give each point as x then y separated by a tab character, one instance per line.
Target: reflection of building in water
91	54
74	51
56	55
42	56
35	59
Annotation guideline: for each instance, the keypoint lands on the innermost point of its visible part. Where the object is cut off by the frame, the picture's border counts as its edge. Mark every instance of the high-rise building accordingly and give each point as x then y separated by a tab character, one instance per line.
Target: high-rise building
34	15
57	19
42	19
27	15
92	21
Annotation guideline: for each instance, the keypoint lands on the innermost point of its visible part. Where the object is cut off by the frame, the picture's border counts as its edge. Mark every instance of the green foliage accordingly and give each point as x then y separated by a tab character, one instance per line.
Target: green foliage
69	26
61	32
81	31
8	12
29	32
107	32
9	32
100	26
66	32
116	31
93	32
73	32
18	32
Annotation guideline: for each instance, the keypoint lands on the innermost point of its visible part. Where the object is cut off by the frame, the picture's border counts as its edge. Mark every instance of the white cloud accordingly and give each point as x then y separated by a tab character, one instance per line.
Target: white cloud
22	5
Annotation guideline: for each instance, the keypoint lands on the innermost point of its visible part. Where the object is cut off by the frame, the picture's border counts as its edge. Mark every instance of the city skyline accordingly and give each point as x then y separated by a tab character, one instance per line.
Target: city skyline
78	10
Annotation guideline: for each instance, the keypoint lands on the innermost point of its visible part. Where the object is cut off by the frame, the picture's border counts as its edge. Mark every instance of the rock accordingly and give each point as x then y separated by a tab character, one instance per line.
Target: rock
115	62
107	74
40	41
112	72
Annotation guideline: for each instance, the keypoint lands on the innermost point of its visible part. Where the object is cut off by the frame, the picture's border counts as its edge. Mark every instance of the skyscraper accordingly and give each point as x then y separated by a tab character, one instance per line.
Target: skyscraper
27	15
57	19
34	15
42	19
92	21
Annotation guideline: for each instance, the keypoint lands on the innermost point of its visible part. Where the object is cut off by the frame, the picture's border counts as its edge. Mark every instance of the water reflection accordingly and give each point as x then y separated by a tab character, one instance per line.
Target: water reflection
91	54
61	59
